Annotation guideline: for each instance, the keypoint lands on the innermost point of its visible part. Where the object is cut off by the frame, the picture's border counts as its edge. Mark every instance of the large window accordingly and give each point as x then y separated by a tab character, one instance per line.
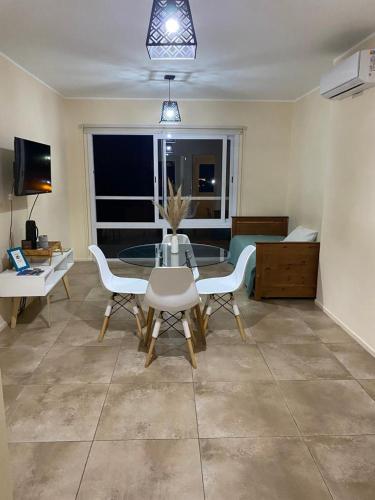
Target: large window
129	171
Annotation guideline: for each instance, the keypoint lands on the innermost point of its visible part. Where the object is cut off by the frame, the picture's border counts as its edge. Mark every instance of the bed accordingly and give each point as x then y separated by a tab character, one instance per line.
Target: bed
277	269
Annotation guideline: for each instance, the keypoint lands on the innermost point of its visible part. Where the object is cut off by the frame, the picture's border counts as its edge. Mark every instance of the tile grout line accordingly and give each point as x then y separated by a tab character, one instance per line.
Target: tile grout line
97	425
301	436
199	441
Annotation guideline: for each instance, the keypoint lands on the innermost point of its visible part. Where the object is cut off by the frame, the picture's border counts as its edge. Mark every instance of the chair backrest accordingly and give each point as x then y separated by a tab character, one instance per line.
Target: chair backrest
171	289
238	274
182	238
105	273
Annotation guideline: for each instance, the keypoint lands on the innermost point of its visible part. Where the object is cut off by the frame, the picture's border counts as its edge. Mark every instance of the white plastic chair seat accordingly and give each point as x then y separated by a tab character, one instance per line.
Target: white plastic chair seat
219	286
171	289
121	285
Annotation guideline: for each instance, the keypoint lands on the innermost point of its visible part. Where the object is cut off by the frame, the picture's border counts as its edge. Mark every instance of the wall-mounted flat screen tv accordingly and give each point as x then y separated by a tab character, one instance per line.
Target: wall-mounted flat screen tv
32	167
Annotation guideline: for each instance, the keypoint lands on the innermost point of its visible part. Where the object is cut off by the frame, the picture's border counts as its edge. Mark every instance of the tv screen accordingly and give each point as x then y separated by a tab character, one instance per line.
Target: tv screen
32	167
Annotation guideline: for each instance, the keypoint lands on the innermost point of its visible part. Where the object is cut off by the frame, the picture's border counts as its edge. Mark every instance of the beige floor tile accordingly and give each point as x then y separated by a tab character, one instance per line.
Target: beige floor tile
299	304
333	334
242	409
46	471
152	411
143	470
170	365
347	465
335	407
85	334
283	330
57	413
231	363
302	362
260	469
317	319
36	315
38	337
69	365
357	361
228	337
78	291
85	268
98	293
94	310
18	363
10	395
224	320
369	387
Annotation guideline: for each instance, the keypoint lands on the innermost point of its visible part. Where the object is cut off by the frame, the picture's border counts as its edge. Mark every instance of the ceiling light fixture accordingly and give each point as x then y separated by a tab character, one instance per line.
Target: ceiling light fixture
169	111
171	33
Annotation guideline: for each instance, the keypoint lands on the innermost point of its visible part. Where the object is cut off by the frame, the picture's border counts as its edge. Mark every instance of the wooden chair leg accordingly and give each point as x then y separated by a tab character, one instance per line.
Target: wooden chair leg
15	308
237	315
193	337
202	330
141	312
192	354
136	313
155	335
150	317
187	333
105	324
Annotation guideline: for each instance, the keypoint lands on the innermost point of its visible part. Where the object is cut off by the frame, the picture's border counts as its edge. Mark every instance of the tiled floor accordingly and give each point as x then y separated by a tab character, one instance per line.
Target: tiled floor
290	415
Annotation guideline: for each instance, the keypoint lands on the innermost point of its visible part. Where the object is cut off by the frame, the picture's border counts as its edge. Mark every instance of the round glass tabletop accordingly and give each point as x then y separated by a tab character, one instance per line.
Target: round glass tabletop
160	255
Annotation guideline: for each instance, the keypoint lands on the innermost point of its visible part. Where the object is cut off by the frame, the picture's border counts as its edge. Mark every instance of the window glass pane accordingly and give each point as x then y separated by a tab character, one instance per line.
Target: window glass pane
209	236
124	211
204	209
112	241
196	165
123	165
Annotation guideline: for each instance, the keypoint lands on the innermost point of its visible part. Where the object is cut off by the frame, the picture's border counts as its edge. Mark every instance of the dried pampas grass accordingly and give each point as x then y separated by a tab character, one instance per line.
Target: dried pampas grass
176	209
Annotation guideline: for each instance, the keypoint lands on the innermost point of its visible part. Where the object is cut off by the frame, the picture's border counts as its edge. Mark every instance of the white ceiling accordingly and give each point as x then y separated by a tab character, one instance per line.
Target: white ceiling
247	49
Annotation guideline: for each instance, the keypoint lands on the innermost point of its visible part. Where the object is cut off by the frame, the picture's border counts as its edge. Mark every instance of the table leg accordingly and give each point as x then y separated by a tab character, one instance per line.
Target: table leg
49	310
66	286
15	308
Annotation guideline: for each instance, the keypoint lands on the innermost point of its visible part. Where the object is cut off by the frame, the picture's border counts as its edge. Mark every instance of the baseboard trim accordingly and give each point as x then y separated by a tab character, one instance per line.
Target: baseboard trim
345	327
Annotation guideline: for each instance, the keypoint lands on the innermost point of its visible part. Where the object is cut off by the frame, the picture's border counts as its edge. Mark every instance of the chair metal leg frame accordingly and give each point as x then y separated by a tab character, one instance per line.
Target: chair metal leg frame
117	302
155	335
223	302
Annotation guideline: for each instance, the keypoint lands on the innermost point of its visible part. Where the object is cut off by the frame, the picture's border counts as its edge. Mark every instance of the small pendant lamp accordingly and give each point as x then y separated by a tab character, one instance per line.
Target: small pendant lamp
169	111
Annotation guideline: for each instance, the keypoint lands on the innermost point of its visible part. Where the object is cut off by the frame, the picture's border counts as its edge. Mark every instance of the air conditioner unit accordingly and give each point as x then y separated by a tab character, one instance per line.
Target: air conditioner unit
350	76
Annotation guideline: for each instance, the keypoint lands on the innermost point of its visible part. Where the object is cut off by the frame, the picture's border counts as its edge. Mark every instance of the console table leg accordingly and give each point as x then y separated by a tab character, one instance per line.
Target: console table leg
49	310
66	285
15	308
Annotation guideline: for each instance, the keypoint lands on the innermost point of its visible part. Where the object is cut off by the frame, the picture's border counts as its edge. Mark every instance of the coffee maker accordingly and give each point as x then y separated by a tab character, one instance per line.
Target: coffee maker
32	233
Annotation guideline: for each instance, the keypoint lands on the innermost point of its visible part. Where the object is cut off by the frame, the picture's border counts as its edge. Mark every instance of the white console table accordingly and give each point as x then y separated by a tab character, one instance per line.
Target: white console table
16	287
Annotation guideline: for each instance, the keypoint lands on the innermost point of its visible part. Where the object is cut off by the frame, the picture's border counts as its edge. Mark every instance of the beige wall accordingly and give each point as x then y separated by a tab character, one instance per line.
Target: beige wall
332	179
30	110
266	149
309	161
348	234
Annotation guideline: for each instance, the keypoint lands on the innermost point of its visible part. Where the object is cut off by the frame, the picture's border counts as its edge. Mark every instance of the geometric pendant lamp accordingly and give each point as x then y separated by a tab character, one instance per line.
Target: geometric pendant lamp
169	110
171	33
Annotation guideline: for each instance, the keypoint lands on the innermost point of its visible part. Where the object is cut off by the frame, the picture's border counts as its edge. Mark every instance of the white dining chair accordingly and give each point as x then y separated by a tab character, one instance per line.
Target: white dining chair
124	291
183	239
171	290
217	291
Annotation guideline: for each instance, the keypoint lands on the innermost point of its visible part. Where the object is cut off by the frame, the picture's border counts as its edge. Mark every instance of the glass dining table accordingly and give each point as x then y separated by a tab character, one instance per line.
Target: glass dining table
193	255
160	255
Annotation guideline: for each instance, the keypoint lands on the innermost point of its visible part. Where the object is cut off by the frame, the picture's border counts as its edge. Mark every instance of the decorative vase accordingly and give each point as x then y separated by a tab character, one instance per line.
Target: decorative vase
174	244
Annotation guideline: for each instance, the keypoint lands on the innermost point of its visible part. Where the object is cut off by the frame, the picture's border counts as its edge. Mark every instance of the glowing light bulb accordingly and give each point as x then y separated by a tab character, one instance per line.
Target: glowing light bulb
170	113
172	25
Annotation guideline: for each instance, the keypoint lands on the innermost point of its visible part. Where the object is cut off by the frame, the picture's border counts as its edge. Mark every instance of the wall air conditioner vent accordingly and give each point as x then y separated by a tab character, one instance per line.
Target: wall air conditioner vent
350	76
